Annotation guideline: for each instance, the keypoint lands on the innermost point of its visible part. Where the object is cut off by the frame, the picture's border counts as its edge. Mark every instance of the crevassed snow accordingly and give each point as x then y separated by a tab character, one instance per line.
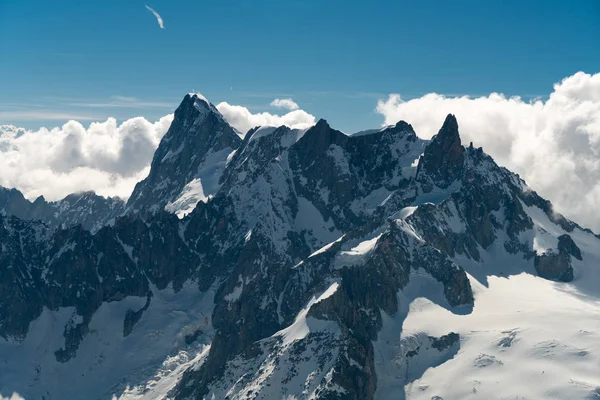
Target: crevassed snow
526	338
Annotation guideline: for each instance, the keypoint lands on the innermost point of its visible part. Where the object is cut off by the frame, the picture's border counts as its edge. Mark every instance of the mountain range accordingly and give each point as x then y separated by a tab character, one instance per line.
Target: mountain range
300	264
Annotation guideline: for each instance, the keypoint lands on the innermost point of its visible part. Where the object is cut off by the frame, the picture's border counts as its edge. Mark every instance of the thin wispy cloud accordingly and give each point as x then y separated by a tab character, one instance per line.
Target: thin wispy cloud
158	17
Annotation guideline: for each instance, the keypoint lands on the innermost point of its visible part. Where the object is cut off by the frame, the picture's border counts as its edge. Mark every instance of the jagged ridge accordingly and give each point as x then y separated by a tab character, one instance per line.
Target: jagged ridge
311	240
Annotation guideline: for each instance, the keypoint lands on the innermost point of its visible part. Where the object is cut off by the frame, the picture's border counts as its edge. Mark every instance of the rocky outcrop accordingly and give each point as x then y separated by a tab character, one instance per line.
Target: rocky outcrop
567	245
443	158
133	317
557	266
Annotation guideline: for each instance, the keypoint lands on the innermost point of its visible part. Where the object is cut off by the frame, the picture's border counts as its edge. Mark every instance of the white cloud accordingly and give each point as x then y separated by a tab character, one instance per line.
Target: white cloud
242	119
285	103
554	144
105	157
158	17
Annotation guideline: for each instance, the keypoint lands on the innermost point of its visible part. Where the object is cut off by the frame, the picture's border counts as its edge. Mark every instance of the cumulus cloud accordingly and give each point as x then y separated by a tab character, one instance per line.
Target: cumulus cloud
106	157
285	103
242	119
158	17
553	144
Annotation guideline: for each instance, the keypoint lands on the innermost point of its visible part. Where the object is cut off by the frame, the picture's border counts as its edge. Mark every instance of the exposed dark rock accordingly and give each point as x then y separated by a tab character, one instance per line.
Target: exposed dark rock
567	245
191	338
444	342
556	267
133	317
444	156
509	338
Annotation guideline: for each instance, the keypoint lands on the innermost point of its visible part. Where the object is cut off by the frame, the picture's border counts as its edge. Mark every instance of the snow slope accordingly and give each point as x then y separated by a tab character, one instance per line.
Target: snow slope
526	337
150	359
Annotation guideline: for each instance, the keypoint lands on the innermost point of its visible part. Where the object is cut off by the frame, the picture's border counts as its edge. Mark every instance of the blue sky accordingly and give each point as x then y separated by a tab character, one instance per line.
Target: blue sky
89	60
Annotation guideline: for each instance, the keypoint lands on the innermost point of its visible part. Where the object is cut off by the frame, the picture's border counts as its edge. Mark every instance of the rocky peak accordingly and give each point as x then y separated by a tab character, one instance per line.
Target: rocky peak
317	139
403	127
192	152
444	157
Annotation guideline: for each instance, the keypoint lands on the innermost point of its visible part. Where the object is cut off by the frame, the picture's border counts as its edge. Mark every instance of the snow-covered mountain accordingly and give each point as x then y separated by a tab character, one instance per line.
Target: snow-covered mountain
306	264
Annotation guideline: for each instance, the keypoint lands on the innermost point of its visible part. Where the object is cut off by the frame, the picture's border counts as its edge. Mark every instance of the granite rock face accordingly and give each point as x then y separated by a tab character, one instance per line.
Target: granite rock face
444	157
196	146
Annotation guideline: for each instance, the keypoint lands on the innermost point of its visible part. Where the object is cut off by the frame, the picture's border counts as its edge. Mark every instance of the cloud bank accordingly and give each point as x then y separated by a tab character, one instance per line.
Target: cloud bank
285	103
105	157
554	144
242	119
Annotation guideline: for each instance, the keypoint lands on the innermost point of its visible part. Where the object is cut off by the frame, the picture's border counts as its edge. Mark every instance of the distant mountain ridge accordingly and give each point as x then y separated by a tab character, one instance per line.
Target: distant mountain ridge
87	208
